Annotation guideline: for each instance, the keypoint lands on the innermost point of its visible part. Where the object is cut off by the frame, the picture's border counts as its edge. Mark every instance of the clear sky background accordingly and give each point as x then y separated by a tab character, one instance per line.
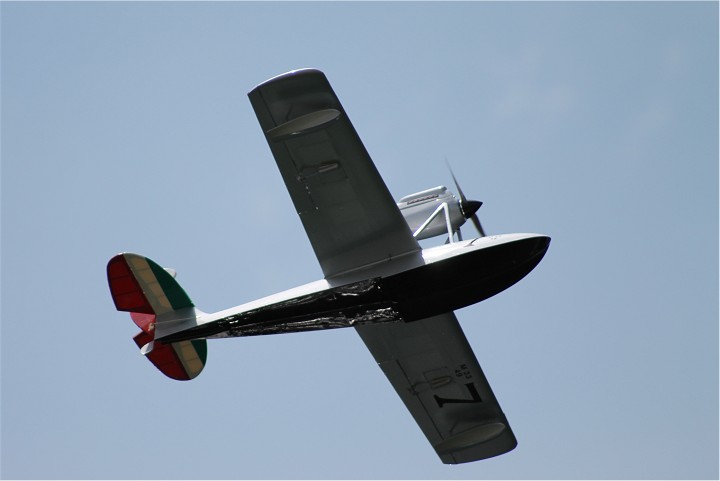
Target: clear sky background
126	127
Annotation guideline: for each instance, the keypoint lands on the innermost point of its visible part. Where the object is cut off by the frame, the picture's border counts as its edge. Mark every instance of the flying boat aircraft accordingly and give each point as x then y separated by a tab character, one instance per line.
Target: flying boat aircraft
399	297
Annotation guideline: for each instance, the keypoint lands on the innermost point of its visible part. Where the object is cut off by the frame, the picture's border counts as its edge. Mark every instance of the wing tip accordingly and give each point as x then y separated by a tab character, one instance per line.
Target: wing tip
481	442
290	74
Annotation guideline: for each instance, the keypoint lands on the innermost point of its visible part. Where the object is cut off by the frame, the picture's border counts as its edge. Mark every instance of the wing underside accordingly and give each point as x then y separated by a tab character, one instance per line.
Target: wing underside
436	374
347	211
353	222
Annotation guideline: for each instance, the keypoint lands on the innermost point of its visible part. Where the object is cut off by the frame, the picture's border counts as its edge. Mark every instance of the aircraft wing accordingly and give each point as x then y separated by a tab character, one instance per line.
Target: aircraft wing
433	369
347	211
352	221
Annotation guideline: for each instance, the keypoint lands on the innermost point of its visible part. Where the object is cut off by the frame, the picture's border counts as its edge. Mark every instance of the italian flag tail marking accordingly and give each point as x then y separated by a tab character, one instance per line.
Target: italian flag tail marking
140	286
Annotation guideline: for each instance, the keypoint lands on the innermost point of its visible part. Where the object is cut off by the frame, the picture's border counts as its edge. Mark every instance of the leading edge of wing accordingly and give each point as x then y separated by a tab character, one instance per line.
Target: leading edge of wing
346	209
436	374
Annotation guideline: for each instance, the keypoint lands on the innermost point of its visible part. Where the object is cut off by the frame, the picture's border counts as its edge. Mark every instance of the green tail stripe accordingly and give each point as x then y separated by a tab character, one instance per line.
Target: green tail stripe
175	294
200	346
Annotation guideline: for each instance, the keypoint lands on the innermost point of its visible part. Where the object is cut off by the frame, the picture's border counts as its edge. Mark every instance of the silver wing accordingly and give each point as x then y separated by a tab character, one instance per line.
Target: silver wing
434	371
352	221
347	211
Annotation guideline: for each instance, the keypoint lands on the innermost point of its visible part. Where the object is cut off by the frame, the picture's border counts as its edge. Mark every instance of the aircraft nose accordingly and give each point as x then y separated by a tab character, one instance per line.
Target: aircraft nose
537	247
469	207
543	243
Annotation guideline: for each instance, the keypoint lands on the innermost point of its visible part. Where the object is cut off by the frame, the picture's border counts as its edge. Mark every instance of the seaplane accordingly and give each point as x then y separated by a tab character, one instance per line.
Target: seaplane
400	298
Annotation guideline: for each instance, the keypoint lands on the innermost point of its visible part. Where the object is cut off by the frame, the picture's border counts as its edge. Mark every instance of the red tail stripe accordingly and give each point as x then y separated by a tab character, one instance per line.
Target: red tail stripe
142	338
164	357
125	289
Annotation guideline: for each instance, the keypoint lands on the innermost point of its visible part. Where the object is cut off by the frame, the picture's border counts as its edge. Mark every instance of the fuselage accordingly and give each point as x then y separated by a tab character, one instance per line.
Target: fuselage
407	288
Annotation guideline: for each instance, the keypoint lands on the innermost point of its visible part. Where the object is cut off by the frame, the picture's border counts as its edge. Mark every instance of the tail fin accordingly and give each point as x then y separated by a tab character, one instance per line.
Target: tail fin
140	286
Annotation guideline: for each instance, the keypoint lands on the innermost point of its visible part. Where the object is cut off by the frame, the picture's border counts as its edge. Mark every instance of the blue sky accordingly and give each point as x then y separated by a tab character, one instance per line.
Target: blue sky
126	127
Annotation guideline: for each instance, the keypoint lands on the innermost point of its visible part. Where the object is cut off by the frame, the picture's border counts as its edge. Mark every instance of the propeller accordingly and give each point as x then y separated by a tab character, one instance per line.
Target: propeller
468	207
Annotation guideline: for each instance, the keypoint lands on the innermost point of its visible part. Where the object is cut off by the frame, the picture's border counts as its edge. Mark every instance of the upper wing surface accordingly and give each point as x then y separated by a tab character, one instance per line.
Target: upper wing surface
347	211
433	369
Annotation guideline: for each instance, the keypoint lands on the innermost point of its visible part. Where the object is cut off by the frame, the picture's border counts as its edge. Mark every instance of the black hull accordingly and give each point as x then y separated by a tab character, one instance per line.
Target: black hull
464	279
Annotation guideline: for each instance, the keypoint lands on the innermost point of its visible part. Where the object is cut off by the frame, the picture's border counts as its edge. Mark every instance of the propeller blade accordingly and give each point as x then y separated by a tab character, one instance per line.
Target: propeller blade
457	186
468	207
478	226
